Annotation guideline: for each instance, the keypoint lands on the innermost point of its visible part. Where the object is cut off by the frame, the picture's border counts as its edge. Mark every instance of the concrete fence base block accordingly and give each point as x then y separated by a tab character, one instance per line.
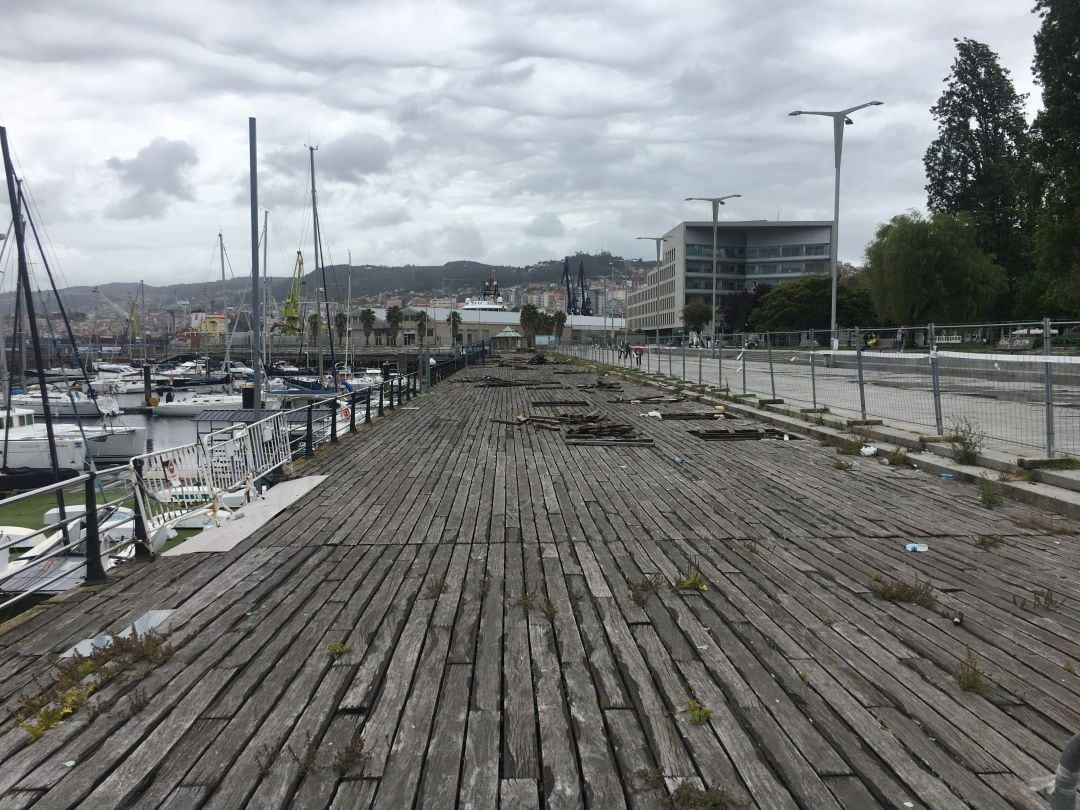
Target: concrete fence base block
863	422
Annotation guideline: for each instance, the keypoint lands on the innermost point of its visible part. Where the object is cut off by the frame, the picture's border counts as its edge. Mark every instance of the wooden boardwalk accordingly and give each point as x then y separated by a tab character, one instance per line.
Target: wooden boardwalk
511	638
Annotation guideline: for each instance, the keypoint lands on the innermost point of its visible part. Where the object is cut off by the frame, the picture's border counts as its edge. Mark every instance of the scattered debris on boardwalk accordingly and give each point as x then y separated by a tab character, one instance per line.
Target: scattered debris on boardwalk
470	615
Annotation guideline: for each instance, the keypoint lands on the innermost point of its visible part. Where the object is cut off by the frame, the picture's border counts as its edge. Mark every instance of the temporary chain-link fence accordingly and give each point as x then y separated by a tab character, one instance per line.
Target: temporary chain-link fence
1018	384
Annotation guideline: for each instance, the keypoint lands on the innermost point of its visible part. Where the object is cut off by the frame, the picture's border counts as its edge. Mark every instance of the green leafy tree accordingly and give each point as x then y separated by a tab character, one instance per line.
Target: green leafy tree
1057	150
341	326
394	318
735	309
421	325
696	315
807	304
367	323
923	269
977	163
453	320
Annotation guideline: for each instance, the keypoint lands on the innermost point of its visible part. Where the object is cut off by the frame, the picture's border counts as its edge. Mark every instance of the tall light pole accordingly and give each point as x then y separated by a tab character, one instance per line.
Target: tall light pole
839	119
716	203
659	242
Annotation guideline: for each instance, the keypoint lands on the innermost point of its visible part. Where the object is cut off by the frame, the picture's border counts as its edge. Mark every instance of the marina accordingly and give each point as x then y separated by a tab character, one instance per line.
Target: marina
471	611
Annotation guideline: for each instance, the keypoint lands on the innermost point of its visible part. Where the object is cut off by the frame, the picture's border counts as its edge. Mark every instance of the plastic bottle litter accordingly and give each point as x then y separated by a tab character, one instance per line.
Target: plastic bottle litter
678	461
916	547
946	476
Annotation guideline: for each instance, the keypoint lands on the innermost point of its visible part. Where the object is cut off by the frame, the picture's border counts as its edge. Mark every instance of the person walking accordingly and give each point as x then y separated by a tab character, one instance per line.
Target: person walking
639	350
900	339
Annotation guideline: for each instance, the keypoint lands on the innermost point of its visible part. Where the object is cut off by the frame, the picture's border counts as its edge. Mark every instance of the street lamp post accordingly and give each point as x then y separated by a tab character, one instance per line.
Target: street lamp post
716	203
840	119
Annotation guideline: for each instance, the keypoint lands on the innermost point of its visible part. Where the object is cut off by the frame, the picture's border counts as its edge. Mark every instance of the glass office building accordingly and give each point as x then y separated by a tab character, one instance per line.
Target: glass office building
748	254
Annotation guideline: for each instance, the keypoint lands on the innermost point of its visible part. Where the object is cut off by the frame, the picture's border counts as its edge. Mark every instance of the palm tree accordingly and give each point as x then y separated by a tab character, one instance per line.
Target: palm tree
313	323
454	320
530	322
394	317
421	325
560	322
341	326
367	323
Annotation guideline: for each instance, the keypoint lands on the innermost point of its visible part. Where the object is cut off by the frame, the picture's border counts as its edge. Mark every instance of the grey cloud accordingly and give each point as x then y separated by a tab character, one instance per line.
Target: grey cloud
546	224
385	217
155	177
459	241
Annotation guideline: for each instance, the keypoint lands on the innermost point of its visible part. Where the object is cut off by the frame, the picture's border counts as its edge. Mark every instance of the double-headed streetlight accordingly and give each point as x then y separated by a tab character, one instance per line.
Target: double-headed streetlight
656	315
840	119
716	202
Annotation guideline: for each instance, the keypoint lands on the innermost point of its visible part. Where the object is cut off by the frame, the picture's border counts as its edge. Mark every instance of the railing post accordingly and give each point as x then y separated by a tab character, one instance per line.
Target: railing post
390	402
95	571
333	420
935	383
142	537
772	377
682	345
367	407
813	371
699	362
380	397
862	387
670	373
720	366
352	412
309	439
745	360
1048	377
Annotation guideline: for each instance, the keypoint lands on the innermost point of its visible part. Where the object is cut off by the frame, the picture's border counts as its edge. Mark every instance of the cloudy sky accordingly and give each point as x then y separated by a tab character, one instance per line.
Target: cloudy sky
505	132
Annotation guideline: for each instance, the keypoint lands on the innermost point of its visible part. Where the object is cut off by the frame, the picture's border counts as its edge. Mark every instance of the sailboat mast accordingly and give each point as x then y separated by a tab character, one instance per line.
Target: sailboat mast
256	334
24	278
348	317
265	289
315	250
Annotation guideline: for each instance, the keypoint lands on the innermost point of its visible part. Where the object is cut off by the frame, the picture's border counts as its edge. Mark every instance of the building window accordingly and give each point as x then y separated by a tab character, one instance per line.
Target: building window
788	251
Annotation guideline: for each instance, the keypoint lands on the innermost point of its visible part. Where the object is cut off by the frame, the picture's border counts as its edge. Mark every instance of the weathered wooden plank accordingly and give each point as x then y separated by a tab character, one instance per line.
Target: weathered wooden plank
480	765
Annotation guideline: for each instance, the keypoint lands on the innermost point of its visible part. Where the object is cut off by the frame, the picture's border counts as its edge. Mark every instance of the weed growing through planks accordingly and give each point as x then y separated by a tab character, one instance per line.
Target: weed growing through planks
688	796
337	649
641	590
1046	599
78	677
840	464
965	441
265	758
698	713
896	458
436	588
350	756
692	579
846	447
969	676
1068	667
550	610
651	777
804	677
575	597
306	763
485	586
1031	476
137	701
917	593
751	545
527	601
987	541
989	493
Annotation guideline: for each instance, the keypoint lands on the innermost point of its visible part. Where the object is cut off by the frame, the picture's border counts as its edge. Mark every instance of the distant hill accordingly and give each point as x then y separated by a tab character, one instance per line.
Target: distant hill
453	279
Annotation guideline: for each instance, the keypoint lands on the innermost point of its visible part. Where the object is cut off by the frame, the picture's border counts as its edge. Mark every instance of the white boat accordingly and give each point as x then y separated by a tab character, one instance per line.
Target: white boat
28	442
66	403
197	403
236	368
